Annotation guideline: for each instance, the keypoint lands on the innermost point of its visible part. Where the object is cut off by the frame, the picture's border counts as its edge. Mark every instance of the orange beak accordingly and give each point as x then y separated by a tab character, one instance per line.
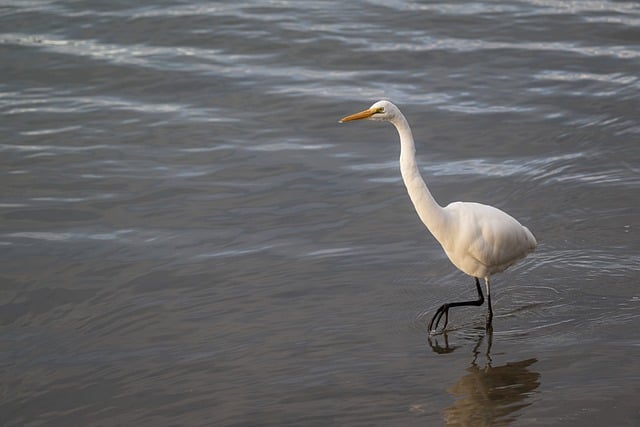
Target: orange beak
358	116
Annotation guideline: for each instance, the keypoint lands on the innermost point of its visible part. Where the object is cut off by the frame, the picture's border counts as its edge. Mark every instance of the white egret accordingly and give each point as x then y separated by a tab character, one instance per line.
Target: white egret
479	240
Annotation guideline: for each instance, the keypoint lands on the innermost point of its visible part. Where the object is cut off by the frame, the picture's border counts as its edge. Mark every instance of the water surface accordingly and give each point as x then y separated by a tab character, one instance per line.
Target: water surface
189	237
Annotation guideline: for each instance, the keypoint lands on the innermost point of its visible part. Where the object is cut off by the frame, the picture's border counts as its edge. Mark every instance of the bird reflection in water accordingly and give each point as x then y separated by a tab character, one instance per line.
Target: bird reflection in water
489	396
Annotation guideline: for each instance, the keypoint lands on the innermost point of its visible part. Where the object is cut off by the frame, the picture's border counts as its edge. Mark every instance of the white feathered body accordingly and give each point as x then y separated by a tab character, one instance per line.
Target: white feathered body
482	240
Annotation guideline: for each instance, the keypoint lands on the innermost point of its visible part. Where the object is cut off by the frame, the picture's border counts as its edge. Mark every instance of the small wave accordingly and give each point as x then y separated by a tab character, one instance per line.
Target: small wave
234	252
549	170
572	76
330	252
428	43
67	236
581	261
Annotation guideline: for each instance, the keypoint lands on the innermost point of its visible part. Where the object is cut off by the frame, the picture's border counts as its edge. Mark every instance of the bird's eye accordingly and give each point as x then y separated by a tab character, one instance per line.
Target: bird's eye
380	110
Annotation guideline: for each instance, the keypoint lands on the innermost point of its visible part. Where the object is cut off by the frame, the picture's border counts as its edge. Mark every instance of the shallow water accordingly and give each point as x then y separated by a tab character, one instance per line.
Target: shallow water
189	237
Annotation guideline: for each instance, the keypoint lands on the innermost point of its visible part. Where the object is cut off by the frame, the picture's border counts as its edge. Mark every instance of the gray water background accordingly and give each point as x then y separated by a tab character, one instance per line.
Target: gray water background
188	236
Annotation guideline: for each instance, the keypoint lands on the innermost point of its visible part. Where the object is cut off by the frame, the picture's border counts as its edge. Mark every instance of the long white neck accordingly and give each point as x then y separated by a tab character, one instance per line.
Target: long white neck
429	211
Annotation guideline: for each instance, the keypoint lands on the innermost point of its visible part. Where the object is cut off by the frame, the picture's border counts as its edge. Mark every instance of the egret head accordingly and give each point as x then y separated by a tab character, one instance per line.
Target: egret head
381	110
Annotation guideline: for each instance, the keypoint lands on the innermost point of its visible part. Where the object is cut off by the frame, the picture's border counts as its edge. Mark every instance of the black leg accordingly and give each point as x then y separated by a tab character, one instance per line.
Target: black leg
444	309
489	327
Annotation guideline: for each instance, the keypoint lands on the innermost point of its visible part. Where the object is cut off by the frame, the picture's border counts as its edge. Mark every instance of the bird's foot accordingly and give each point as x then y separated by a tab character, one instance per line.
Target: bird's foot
442	311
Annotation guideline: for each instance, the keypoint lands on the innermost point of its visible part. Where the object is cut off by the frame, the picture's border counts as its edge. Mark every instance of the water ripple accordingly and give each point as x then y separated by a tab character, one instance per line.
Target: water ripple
56	102
429	43
180	224
565	168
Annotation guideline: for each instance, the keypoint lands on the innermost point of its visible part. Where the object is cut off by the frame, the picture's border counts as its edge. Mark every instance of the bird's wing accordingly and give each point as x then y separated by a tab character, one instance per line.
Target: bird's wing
490	236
